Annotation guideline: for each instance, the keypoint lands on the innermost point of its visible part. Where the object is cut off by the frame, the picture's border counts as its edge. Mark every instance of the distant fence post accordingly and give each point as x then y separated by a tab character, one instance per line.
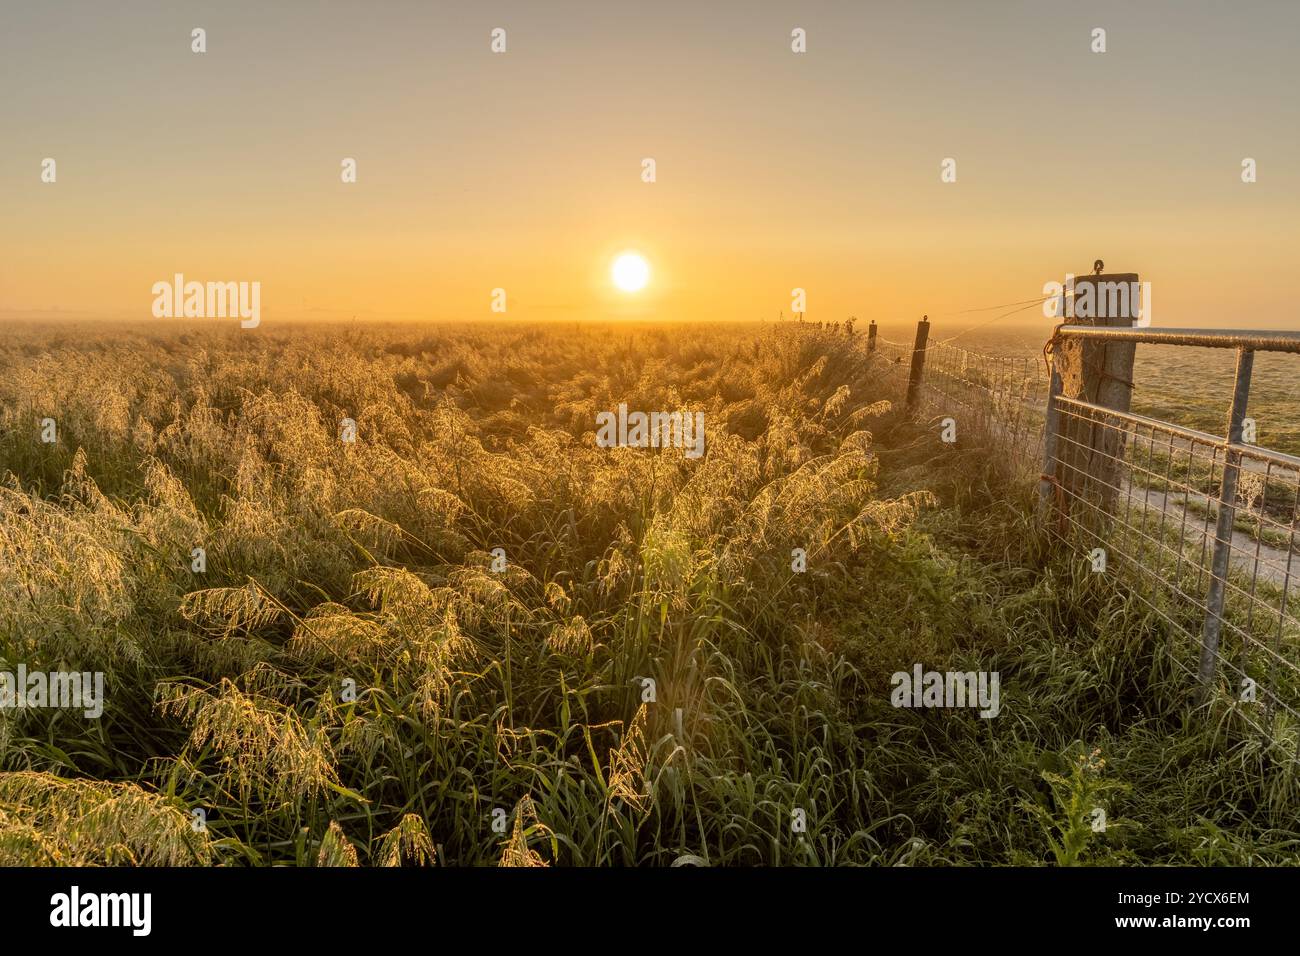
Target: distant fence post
1224	523
918	361
871	337
1091	452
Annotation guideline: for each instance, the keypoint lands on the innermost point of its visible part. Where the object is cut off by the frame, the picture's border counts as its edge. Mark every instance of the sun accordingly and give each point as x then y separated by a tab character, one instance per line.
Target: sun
630	272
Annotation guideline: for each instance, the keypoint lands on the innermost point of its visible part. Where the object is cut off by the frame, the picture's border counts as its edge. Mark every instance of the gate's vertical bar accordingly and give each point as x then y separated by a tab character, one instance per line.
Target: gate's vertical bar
918	361
1223	526
871	337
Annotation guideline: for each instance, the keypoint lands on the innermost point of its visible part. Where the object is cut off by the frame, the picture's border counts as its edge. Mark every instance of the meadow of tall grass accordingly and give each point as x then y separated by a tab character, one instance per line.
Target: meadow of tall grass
353	679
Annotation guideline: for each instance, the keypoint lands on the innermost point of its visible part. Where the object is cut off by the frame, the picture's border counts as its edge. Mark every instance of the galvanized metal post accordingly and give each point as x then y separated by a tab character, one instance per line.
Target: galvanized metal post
871	337
918	361
1224	525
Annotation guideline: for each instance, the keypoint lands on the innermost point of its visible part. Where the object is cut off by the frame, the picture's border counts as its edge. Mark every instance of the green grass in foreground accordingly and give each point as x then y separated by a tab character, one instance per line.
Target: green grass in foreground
350	682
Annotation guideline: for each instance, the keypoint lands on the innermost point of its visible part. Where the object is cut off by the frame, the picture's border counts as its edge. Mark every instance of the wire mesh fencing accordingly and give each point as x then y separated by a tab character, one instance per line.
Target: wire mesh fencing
1150	495
1000	398
1203	529
992	399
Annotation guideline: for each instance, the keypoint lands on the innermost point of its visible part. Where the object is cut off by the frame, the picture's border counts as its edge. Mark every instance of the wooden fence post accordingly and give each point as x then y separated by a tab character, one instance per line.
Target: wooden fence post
918	361
1091	450
871	337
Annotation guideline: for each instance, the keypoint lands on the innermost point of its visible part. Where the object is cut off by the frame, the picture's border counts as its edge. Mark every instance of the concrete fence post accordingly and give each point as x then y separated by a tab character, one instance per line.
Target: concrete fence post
1089	451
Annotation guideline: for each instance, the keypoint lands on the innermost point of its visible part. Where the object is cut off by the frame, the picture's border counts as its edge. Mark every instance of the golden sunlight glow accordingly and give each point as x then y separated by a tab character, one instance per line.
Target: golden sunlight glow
630	272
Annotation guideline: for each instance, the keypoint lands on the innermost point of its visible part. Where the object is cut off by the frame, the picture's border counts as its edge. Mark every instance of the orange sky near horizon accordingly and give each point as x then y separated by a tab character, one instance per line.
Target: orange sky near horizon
775	170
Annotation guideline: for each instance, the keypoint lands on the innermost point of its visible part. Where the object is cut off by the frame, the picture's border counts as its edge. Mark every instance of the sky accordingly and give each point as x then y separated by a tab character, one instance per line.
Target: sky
775	170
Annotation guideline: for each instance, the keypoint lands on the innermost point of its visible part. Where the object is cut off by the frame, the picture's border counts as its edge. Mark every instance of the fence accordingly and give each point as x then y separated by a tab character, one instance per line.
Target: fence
996	398
1204	527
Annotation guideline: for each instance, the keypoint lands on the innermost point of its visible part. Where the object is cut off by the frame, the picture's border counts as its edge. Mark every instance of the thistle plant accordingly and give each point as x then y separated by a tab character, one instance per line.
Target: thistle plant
1079	797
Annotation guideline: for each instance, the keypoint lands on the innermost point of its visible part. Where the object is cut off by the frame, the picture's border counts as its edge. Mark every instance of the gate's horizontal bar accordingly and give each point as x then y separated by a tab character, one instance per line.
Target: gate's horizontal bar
1258	340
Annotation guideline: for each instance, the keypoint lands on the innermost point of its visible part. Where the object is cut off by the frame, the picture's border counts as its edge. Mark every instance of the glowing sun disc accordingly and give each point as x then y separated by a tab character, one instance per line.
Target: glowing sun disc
630	272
